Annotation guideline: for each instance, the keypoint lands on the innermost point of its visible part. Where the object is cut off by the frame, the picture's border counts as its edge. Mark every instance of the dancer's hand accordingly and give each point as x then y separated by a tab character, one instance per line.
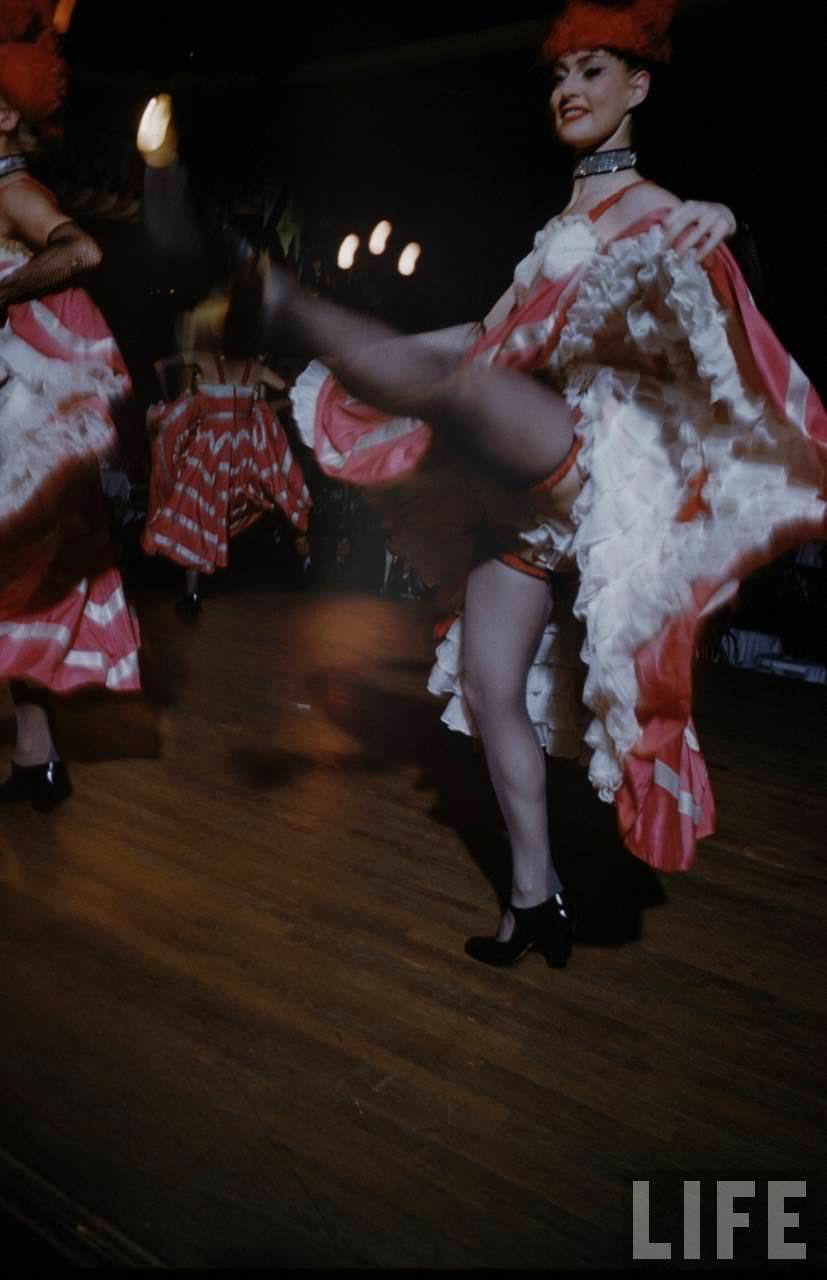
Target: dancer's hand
270	378
699	226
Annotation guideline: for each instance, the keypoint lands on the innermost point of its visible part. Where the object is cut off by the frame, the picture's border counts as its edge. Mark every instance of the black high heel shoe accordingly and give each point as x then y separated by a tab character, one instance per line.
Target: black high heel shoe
45	785
189	606
547	928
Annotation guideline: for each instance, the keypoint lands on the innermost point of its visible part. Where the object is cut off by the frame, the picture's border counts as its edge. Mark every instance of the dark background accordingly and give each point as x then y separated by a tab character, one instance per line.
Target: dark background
455	151
436	118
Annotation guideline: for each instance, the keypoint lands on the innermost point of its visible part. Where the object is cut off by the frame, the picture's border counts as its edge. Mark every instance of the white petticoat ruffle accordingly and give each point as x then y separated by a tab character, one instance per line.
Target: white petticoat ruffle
38	433
563	245
553	688
304	398
645	357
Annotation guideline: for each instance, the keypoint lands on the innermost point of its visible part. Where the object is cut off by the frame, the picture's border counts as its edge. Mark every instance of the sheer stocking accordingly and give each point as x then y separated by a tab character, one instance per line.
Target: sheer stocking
35	744
505	615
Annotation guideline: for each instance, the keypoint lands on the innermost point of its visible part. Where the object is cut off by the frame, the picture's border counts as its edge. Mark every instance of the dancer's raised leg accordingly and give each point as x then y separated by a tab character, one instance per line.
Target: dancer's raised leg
512	423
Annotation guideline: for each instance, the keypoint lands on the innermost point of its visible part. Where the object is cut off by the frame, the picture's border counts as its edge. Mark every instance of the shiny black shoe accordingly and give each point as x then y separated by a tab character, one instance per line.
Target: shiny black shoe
547	928
44	785
189	606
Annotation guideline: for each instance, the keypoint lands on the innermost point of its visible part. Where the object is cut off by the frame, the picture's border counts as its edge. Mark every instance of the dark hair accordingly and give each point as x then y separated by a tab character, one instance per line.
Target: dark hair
242	325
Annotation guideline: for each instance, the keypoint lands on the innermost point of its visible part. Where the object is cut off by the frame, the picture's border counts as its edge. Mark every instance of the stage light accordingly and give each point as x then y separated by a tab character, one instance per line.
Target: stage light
157	140
409	259
63	15
379	238
347	252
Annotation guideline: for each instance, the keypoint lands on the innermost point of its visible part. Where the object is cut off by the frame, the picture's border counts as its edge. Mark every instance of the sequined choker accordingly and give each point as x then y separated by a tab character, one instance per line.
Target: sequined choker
12	164
605	162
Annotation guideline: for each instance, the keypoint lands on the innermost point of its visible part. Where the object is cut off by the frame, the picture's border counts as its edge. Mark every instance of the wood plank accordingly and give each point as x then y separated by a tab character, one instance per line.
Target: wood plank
240	1026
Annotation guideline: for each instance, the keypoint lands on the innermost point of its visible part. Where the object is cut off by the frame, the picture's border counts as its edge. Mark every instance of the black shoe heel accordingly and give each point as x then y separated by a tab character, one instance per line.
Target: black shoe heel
558	941
547	928
189	606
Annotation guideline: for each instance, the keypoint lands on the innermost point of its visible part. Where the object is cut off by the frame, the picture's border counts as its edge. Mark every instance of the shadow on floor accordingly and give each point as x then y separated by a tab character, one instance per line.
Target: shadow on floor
612	888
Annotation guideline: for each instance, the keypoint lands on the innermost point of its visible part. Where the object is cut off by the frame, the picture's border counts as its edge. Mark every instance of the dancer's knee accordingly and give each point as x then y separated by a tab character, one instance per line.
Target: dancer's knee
492	700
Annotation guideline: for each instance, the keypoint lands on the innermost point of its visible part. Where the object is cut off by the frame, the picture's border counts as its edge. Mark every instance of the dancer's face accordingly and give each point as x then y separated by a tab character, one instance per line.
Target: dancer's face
593	95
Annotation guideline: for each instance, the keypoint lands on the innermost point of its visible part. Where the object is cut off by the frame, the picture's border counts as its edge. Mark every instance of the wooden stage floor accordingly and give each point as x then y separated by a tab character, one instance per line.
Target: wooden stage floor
239	1026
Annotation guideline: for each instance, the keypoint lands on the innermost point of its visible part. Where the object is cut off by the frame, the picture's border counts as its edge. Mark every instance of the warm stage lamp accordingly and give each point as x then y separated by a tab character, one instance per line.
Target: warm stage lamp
379	238
63	15
347	252
157	141
409	259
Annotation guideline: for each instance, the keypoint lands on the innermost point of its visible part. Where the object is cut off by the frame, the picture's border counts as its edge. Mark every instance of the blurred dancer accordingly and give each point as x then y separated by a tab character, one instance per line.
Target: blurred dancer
64	622
220	456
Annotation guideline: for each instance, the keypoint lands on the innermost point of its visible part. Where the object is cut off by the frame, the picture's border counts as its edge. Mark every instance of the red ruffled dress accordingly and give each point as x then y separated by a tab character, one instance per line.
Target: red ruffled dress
220	460
702	453
64	620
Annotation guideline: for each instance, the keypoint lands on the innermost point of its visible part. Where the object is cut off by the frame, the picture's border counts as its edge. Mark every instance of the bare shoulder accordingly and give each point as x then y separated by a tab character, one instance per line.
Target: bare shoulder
22	196
30	213
644	198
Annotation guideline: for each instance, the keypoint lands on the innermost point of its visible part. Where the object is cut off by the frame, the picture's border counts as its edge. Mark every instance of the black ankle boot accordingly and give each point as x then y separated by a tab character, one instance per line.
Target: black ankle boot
547	928
189	605
45	785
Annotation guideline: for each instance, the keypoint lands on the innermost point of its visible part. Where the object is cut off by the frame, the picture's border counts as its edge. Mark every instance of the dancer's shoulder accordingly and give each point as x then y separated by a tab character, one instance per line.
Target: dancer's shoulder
645	198
28	210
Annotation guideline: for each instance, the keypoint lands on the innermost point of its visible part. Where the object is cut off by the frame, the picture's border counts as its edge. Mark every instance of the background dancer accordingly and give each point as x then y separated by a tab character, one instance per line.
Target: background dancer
220	456
64	621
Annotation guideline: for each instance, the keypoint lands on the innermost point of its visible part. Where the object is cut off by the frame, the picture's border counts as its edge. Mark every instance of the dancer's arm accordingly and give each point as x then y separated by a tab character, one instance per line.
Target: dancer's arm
181	360
268	378
62	249
270	382
692	226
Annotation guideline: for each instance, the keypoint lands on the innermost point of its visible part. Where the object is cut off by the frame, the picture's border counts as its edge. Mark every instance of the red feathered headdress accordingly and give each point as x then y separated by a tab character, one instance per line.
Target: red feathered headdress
638	27
32	71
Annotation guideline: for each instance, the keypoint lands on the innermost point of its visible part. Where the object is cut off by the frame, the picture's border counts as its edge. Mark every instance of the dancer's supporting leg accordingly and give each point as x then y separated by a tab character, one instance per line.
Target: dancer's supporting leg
189	604
38	773
505	615
35	744
514	424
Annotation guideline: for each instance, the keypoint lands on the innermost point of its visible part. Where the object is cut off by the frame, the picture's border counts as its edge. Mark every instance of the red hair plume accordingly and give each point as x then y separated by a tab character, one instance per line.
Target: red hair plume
33	76
22	18
638	27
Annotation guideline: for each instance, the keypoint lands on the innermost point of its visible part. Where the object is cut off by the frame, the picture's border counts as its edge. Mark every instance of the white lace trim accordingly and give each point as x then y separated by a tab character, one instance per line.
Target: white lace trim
565	243
643	438
304	397
645	356
36	437
552	688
